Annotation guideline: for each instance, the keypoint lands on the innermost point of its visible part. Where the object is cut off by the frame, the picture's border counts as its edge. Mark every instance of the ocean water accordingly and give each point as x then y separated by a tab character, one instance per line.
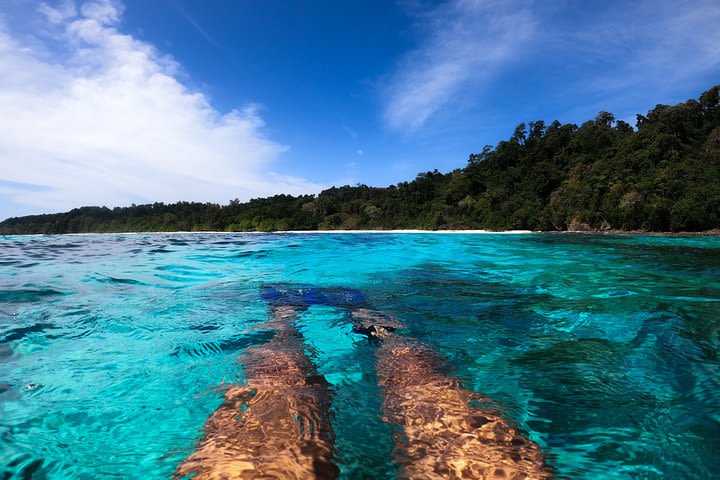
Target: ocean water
605	350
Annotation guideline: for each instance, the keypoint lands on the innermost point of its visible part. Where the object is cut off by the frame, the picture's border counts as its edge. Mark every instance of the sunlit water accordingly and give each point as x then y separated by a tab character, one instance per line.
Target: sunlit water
604	349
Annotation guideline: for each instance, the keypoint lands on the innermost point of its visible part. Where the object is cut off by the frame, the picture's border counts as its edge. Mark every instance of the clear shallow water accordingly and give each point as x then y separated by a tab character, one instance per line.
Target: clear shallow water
605	349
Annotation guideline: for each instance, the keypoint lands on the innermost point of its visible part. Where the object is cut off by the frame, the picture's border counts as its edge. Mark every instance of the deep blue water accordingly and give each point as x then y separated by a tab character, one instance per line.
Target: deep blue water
604	349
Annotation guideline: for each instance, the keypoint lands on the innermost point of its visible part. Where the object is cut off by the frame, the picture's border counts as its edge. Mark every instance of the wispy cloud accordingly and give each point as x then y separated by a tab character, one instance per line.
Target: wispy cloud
60	12
647	44
466	41
350	131
107	122
194	23
615	54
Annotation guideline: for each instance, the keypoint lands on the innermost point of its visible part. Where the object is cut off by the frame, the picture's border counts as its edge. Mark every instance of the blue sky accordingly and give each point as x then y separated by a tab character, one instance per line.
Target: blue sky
111	103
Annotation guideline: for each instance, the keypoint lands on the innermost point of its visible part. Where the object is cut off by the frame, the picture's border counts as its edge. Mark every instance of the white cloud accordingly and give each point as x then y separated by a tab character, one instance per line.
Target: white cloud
360	152
108	122
60	12
466	42
105	12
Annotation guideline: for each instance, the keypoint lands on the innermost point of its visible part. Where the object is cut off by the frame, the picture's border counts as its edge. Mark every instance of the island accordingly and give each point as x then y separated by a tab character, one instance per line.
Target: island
604	175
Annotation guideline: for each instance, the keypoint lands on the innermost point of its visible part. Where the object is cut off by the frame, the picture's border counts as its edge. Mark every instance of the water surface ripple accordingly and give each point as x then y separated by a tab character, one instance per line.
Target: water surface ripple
114	349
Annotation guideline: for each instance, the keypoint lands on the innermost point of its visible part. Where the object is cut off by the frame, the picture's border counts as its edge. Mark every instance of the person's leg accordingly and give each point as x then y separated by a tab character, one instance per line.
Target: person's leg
442	435
276	426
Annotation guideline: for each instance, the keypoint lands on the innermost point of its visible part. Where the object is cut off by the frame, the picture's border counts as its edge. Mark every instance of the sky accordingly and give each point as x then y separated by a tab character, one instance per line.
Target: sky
109	102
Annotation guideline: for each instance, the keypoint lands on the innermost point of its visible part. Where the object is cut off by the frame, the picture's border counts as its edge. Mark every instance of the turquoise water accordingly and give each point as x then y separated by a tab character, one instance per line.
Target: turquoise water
604	349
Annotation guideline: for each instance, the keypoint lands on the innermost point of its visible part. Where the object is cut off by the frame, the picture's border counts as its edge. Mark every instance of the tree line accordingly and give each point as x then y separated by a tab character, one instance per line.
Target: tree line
663	175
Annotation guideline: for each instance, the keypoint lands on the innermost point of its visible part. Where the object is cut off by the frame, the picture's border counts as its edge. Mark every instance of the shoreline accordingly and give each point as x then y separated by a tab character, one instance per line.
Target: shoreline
706	233
311	232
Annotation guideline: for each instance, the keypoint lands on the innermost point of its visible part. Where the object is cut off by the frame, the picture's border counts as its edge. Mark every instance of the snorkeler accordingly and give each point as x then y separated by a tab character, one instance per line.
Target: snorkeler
277	426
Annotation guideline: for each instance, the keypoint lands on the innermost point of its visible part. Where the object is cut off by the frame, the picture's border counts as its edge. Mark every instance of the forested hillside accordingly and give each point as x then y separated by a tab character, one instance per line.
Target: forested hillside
662	176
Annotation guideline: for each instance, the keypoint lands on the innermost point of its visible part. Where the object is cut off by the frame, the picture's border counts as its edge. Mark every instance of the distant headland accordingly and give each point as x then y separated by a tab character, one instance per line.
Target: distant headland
663	176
